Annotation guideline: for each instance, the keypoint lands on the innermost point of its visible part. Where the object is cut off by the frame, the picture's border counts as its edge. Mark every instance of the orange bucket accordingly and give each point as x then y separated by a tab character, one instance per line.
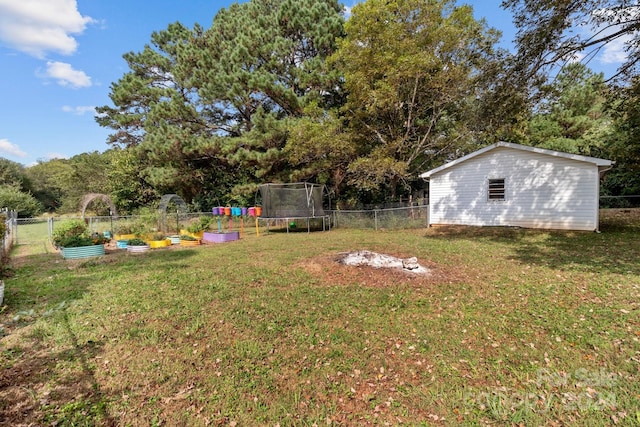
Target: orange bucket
258	211
227	211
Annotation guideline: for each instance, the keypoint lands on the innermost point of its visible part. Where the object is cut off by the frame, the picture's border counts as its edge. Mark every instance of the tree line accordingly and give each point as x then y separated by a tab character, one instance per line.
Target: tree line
291	90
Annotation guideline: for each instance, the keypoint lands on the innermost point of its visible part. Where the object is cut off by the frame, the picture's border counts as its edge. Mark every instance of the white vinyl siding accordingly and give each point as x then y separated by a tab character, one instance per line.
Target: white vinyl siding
541	191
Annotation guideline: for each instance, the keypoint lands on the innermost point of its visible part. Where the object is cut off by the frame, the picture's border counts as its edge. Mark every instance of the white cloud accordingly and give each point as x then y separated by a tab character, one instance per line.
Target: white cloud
613	20
614	52
7	147
40	26
79	110
65	75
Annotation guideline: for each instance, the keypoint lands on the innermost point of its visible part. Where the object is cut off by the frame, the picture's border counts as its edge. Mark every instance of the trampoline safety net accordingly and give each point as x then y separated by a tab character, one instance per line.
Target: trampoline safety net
294	200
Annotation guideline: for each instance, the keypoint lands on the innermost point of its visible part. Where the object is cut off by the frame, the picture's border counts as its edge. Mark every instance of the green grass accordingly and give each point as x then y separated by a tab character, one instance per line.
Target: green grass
513	327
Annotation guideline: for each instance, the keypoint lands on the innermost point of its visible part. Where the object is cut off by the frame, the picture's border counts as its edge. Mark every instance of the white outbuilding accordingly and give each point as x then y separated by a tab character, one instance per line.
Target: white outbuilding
508	184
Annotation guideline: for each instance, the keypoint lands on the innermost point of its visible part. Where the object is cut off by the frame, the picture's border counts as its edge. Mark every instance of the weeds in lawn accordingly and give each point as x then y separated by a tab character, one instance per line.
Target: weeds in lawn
512	327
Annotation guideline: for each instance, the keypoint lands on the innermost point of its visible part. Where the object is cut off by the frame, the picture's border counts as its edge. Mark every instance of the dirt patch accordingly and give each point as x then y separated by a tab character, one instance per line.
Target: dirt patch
376	260
331	270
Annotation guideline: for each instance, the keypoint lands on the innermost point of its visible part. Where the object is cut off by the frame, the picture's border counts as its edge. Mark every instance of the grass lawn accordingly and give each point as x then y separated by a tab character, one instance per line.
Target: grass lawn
512	327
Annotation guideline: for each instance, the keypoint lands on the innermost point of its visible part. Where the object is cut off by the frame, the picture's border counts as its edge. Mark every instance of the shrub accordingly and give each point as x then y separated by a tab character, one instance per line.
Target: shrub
123	228
136	242
99	239
72	234
23	203
137	228
157	236
203	223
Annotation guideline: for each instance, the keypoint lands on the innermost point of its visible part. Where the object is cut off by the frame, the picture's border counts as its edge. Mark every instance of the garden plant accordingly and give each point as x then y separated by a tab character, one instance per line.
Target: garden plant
510	327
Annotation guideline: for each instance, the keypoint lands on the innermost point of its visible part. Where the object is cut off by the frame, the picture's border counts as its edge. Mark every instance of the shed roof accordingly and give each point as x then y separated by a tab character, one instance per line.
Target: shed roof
602	164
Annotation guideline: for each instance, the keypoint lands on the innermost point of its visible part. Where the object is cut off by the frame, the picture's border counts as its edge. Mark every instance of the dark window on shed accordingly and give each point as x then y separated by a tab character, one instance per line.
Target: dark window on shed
496	189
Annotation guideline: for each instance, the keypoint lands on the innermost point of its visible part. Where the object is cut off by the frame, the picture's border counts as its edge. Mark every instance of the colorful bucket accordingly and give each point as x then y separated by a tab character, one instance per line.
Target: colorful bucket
154	244
252	211
236	211
227	211
243	211
258	211
127	236
215	211
138	249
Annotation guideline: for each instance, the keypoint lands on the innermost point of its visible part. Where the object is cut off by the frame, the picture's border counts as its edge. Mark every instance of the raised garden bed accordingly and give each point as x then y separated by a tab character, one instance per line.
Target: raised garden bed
221	237
82	251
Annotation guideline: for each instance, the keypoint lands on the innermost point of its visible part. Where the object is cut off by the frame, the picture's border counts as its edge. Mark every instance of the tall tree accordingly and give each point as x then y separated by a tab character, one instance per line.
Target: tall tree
572	118
16	188
60	184
413	71
128	185
212	107
262	63
624	143
158	112
15	174
319	149
50	181
553	32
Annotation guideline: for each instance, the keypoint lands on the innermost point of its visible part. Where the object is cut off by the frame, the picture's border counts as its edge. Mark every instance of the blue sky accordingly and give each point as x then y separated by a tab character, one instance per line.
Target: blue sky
59	57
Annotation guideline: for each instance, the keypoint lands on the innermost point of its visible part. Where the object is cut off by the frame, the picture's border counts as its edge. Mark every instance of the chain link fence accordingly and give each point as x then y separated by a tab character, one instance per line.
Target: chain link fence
7	238
382	219
31	231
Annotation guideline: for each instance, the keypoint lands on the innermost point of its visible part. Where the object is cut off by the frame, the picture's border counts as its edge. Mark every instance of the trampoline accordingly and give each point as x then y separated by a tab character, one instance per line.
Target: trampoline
294	201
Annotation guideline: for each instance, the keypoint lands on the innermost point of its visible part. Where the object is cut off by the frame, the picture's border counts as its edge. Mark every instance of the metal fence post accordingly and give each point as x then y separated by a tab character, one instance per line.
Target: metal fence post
50	228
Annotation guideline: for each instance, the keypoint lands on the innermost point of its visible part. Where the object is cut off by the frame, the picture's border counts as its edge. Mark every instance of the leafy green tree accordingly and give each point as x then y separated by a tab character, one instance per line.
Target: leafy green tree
263	62
88	175
319	149
413	73
208	110
50	180
60	184
127	184
623	144
547	35
13	198
12	173
572	117
161	116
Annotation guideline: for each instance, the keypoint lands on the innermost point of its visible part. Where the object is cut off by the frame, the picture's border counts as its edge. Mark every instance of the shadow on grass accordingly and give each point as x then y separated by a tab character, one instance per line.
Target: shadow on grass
40	284
39	387
598	253
615	249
